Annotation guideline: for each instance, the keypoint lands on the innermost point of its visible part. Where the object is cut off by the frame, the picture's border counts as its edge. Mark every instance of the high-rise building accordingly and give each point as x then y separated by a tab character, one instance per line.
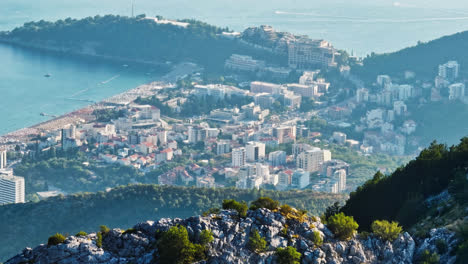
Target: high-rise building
284	132
340	176
238	157
277	158
255	151
263	171
196	134
362	95
3	159
449	70
300	179
311	160
11	189
305	53
384	80
456	91
223	147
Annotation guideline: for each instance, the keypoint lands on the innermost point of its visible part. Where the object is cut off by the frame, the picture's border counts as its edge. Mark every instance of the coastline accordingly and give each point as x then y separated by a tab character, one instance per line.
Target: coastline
85	114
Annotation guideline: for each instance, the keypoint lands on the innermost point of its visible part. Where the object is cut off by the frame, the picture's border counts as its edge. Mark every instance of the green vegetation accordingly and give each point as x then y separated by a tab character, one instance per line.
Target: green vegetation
416	58
344	227
56	239
462	250
99	240
139	39
427	257
288	255
264	202
293	214
386	230
256	243
104	229
205	237
106	115
317	239
429	174
174	246
122	207
240	207
81	234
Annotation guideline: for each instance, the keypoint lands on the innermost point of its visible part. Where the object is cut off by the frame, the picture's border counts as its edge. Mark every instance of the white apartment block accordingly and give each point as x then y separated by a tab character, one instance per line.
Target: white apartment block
311	160
3	159
456	91
255	151
11	189
340	176
238	157
449	70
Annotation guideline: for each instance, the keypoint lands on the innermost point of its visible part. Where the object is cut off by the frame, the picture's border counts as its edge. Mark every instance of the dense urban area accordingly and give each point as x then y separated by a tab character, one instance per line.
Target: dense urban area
309	123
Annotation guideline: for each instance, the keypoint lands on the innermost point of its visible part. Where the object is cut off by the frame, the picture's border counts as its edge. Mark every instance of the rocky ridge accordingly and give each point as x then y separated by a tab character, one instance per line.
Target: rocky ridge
231	236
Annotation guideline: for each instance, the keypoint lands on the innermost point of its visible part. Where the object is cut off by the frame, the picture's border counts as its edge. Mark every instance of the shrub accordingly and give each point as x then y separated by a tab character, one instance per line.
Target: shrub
81	234
99	240
130	231
462	253
441	246
286	210
386	230
427	257
104	229
205	237
331	211
344	227
317	238
256	243
211	211
264	202
240	207
284	231
174	246
288	255
55	240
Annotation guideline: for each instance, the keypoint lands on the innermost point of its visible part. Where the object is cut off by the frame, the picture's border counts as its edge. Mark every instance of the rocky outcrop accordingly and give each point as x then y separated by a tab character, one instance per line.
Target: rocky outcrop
231	235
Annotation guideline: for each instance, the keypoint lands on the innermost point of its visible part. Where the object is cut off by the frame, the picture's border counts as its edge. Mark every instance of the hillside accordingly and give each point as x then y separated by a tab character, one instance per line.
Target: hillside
30	224
267	233
134	39
423	59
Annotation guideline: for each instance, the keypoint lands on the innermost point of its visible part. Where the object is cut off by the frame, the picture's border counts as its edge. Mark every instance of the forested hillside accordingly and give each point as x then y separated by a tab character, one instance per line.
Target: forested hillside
32	223
135	39
402	196
423	59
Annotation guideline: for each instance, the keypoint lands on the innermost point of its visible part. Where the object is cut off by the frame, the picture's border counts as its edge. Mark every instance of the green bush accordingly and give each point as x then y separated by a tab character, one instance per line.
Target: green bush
386	230
240	207
344	227
462	253
56	239
130	231
441	246
427	257
317	238
286	210
211	211
288	255
264	202
104	229
81	234
99	240
205	237
174	246
257	243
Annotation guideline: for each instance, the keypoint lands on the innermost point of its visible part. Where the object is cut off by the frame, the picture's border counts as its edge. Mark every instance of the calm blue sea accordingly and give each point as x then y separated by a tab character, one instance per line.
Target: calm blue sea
359	26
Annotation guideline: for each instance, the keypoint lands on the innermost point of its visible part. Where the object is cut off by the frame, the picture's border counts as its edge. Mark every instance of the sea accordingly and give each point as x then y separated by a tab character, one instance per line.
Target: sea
357	26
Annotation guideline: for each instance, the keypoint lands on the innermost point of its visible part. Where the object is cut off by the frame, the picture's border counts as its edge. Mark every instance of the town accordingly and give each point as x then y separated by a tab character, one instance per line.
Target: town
257	126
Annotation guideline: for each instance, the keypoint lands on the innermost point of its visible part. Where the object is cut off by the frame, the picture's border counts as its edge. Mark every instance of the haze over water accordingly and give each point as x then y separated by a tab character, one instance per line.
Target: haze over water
358	26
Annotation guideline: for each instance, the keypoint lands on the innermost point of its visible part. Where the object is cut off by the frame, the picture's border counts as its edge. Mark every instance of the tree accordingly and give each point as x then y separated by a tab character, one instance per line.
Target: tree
174	246
344	227
240	207
56	239
264	202
288	255
257	243
386	230
206	237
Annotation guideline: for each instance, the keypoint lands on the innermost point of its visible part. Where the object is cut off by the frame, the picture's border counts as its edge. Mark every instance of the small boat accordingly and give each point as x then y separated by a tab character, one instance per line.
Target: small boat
47	75
125	65
43	114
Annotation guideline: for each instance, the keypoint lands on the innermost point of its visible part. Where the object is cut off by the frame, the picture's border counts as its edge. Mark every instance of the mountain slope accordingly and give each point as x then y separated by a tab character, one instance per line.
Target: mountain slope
29	224
423	59
134	39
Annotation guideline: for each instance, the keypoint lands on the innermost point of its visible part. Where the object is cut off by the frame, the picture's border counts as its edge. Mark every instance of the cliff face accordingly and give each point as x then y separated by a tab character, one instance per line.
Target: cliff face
230	240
